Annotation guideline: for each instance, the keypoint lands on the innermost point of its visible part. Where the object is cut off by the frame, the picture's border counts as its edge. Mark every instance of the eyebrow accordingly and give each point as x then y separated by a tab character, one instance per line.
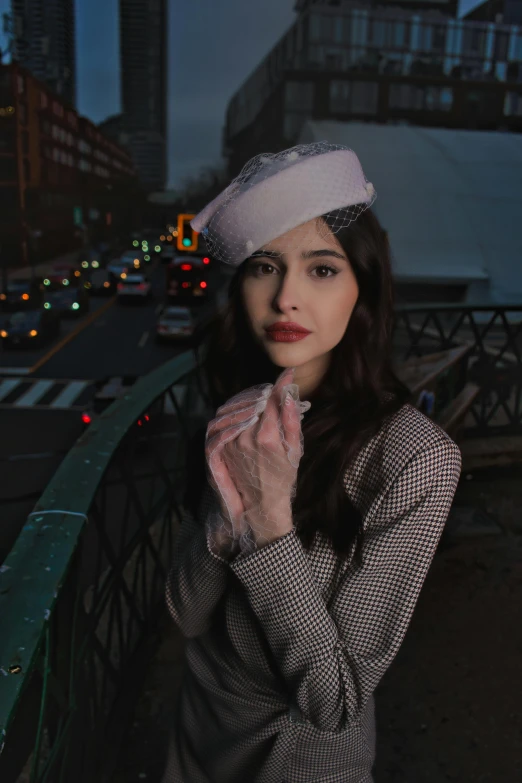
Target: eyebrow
305	255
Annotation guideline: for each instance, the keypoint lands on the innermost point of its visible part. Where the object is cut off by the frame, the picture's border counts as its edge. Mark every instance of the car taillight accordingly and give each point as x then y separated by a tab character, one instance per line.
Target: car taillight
86	418
120	286
202	284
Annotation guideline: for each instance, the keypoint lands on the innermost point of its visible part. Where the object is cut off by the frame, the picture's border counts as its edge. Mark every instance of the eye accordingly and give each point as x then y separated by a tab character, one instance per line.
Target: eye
254	268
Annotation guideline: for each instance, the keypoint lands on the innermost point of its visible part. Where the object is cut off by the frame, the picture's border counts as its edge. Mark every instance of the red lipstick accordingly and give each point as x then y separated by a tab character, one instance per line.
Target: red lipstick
286	331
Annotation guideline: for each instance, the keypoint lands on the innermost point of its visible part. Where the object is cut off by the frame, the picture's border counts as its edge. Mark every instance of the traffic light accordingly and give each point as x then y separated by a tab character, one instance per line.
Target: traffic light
187	238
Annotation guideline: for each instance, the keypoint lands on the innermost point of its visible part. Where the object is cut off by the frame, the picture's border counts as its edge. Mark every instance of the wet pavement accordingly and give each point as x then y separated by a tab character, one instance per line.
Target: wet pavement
448	708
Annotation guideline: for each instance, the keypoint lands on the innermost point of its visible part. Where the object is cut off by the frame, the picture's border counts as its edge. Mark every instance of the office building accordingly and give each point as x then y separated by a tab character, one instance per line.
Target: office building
346	61
499	11
44	43
62	182
143	58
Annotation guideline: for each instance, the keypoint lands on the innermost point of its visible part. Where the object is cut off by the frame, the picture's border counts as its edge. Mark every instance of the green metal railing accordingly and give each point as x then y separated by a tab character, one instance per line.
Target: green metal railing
82	588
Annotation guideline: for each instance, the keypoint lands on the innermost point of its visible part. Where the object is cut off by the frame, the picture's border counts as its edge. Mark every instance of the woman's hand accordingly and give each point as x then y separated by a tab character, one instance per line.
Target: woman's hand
253	451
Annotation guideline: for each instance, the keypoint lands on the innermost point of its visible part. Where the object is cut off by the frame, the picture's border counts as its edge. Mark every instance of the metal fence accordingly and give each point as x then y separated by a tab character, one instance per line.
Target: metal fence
83	586
494	363
81	589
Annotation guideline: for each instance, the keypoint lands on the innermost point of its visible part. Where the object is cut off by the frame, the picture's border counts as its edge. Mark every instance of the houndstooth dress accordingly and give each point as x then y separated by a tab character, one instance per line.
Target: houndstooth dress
285	647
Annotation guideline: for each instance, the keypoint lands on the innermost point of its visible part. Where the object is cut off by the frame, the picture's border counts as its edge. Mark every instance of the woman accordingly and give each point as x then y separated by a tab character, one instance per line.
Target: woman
319	518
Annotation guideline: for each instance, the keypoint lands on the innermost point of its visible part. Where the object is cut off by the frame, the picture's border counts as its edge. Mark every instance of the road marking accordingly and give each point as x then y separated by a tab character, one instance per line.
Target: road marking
6	387
143	340
69	337
69	394
15	370
35	393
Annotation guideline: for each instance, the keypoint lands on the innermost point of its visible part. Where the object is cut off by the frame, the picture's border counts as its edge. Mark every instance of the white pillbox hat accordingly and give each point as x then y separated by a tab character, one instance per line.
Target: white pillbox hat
275	193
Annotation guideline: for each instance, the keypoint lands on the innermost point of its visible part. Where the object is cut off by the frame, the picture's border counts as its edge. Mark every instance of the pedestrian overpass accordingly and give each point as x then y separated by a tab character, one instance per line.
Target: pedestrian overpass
82	590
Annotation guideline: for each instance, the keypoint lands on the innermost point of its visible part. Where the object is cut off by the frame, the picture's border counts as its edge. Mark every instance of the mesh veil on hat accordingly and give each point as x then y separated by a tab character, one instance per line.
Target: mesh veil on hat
275	193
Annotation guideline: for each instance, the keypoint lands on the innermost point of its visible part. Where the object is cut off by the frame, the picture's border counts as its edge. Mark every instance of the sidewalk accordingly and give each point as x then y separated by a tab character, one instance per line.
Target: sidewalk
448	709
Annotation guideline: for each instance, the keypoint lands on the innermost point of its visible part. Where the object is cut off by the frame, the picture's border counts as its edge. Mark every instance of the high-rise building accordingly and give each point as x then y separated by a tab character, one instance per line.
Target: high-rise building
143	58
44	43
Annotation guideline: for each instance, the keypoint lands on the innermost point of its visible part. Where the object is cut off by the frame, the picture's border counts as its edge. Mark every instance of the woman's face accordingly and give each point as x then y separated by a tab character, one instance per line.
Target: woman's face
318	292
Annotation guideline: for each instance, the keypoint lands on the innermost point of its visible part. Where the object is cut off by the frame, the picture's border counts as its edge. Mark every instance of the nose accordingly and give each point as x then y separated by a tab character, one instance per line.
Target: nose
288	294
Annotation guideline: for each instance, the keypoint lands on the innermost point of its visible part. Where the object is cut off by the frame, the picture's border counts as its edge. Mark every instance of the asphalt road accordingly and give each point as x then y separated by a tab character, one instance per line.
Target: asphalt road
112	340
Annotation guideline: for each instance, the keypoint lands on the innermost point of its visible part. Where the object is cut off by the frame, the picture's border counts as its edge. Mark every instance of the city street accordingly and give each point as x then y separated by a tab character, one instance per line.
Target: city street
41	405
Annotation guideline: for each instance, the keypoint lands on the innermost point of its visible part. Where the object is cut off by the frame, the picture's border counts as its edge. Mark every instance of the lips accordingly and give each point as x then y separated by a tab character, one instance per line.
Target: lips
287	326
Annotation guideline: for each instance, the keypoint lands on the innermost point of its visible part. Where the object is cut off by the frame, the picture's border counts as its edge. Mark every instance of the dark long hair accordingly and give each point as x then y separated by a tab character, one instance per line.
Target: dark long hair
357	393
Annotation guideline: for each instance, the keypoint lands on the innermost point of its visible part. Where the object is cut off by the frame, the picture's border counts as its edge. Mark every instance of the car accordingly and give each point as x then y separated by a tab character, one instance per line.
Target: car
133	259
67	274
29	328
70	301
116	268
186	279
133	287
174	323
21	295
100	283
168	253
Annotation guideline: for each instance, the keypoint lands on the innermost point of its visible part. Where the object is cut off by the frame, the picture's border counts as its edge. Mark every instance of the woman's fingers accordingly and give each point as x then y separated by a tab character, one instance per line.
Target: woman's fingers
244	399
239	409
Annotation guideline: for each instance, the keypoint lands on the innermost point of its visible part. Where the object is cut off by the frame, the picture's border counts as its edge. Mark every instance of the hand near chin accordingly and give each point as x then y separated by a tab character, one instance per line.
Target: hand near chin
253	448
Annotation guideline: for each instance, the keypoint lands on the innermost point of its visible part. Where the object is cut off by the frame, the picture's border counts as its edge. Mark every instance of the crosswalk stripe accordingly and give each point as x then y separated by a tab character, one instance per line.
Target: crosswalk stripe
33	394
6	387
70	393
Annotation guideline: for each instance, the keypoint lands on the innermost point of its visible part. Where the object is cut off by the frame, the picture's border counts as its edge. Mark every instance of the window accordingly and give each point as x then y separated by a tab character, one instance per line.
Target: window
353	97
399	37
500	48
43	100
364	97
376	32
22	113
473	40
300	96
21	84
412	98
314	30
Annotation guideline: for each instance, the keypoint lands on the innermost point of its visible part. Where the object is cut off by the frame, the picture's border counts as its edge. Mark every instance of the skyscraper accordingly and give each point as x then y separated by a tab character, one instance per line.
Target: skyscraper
44	43
143	58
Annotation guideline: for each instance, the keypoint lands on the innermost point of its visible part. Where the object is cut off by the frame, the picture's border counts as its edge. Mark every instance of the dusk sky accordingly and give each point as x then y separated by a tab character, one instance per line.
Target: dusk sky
214	46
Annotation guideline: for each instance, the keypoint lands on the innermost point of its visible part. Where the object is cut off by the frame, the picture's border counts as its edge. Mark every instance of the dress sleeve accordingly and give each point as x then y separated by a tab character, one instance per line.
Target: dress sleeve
197	577
333	659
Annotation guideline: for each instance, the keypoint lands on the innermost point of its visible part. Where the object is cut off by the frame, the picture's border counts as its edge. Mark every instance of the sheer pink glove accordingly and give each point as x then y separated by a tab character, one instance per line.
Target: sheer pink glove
253	448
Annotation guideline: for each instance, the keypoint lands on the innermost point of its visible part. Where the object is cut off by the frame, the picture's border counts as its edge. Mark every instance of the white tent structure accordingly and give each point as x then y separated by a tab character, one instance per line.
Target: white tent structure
450	200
